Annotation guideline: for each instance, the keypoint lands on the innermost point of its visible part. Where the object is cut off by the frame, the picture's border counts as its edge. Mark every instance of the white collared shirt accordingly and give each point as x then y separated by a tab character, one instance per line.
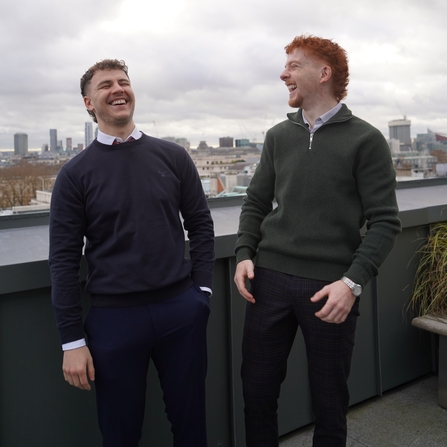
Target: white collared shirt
322	119
109	139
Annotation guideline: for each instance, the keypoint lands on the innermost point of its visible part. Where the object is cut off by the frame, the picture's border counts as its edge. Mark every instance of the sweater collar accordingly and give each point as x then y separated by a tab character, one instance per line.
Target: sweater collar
343	114
109	139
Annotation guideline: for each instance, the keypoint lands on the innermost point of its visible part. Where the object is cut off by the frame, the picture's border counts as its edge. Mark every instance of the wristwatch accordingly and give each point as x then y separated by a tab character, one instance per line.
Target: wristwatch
356	289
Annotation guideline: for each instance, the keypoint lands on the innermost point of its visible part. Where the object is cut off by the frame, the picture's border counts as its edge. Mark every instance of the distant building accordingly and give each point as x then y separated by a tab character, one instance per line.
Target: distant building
226	142
70	144
431	141
20	143
180	141
401	130
203	147
224	167
441	169
80	147
53	140
183	142
439	137
242	142
88	133
394	145
410	165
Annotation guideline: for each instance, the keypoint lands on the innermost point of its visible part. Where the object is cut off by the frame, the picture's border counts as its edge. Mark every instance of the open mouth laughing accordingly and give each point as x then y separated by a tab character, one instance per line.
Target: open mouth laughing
118	102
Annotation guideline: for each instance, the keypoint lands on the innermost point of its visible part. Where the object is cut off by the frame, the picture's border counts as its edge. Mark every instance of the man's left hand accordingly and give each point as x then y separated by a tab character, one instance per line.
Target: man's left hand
340	300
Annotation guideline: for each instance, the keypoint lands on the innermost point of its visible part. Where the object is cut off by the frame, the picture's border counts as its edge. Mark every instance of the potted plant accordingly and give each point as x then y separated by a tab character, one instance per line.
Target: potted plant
429	297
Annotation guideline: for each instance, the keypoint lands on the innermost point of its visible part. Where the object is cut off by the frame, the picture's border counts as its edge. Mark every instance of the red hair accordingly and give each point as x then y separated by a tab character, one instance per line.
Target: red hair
329	52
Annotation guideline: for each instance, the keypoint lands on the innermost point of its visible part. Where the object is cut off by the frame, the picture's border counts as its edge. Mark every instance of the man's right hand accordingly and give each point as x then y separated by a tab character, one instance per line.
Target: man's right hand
78	368
244	270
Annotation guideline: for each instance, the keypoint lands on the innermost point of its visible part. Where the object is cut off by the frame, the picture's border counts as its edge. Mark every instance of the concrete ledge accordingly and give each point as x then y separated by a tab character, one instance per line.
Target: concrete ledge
431	323
437	326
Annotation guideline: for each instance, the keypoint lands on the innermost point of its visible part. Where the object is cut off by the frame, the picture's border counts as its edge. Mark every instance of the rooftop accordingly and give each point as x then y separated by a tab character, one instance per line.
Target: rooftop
406	416
393	385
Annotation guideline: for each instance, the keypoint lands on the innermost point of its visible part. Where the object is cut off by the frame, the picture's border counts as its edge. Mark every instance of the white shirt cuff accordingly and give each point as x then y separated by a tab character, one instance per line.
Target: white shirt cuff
74	345
207	290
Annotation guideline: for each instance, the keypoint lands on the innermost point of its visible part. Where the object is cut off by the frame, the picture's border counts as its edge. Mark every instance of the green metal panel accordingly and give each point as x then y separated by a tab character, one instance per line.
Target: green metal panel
364	378
37	407
405	351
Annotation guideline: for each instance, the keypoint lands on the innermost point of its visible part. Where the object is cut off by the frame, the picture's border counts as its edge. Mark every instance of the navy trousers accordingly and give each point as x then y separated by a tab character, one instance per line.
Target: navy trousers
123	340
282	304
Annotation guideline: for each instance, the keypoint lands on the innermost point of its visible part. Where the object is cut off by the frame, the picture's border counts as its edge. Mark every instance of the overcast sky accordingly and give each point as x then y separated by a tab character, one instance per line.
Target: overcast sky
204	69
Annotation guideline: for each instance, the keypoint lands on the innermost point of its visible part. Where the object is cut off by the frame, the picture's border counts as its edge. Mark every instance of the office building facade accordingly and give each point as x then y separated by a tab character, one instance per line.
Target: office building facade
53	140
401	130
88	134
20	143
226	142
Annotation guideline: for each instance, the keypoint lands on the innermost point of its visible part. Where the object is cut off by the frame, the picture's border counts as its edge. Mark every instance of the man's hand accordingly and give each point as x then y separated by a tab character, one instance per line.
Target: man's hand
78	368
340	300
244	270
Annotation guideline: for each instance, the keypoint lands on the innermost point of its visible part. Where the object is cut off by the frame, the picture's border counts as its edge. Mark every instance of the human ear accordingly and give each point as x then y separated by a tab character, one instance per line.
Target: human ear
88	103
326	73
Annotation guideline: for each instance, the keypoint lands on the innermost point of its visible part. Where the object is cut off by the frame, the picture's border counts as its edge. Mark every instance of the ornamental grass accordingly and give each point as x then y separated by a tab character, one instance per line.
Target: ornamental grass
430	288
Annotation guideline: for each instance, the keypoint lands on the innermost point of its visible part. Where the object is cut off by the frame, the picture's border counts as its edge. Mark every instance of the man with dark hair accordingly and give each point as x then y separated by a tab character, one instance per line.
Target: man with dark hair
329	172
106	64
124	195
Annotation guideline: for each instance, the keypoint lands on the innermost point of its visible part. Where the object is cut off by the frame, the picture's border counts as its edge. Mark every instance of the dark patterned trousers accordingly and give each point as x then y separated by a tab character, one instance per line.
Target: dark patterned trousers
282	304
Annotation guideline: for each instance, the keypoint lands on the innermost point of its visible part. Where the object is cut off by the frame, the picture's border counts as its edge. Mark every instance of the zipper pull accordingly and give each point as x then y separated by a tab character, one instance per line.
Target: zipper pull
310	141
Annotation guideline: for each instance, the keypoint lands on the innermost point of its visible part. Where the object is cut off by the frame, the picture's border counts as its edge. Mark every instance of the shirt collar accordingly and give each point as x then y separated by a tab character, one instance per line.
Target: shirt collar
109	139
323	118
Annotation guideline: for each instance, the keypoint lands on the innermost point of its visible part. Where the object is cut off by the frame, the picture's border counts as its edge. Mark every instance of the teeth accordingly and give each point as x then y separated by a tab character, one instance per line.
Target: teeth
291	87
118	102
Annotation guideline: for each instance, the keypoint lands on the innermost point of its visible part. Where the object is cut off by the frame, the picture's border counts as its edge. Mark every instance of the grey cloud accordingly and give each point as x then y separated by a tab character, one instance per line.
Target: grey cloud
214	68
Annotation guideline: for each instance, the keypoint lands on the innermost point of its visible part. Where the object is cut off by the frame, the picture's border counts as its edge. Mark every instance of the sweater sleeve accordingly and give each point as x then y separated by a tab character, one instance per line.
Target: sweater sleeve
376	181
257	204
67	227
198	224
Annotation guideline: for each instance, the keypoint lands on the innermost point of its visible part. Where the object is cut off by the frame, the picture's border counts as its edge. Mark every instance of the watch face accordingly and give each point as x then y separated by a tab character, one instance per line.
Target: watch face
356	289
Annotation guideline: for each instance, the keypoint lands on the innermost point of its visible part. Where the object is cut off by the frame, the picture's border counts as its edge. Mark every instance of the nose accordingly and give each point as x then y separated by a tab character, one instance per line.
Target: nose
284	75
117	88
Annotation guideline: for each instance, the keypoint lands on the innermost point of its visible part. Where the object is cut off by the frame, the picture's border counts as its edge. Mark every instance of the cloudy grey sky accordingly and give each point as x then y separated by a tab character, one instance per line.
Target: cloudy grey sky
203	69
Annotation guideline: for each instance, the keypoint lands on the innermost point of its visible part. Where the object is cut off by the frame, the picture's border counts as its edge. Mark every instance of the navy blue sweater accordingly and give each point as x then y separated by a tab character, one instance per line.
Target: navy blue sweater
132	204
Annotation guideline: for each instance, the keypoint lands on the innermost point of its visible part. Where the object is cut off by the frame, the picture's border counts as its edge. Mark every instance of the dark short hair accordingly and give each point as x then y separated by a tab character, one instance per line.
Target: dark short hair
106	64
329	52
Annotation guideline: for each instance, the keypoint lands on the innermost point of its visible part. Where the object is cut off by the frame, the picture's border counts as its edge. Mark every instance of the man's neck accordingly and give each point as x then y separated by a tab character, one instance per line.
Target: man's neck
117	131
312	112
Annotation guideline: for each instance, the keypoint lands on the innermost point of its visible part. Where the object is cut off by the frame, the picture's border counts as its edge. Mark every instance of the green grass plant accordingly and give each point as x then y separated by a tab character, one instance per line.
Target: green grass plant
430	288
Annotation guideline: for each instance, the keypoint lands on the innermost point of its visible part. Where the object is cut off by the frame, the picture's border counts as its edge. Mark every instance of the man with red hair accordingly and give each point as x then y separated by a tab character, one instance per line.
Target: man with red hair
329	173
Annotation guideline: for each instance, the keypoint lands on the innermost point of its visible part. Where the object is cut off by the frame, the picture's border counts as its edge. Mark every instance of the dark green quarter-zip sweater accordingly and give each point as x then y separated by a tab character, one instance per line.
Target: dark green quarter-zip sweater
326	186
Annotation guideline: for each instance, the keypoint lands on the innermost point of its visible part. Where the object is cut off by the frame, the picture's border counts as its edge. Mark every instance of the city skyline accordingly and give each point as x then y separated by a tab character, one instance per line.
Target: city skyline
406	138
204	70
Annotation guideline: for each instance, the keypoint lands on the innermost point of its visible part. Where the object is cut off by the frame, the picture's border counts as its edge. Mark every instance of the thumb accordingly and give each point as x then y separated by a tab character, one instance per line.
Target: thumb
317	297
90	370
